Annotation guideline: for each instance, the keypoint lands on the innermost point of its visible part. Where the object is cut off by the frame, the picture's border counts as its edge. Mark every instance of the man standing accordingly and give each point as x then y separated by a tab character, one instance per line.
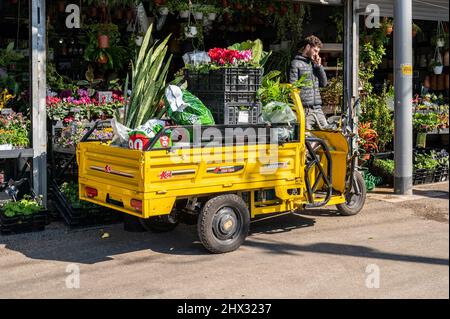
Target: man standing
309	62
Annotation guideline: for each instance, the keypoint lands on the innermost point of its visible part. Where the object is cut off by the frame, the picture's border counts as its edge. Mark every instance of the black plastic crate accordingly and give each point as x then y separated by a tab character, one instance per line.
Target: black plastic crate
225	80
423	176
75	217
236	113
209	98
441	174
23	224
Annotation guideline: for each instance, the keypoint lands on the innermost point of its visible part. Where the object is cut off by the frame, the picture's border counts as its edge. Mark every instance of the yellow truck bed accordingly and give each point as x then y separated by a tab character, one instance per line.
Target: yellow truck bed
158	178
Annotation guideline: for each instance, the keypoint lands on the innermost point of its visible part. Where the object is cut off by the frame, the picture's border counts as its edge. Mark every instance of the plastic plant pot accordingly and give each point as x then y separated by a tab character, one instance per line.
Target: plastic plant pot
198	15
438	69
212	16
190	32
163	11
184	14
440	43
139	40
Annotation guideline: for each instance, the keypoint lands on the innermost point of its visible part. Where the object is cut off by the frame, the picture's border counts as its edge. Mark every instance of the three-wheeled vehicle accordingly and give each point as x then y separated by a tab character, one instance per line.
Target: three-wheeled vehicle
221	185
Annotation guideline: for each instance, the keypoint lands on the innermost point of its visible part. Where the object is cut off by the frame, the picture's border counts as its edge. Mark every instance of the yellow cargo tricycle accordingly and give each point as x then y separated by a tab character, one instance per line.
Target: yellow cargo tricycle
221	184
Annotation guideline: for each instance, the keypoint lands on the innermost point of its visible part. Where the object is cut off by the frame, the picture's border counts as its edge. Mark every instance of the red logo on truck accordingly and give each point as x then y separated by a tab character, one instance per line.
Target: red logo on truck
165	175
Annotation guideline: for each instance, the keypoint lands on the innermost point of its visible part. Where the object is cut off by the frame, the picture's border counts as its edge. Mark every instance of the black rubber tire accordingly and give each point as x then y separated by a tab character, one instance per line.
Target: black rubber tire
158	224
217	213
355	203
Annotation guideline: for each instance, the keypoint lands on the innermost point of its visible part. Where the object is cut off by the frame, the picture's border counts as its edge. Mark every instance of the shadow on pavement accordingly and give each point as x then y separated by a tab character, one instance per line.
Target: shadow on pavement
85	246
343	250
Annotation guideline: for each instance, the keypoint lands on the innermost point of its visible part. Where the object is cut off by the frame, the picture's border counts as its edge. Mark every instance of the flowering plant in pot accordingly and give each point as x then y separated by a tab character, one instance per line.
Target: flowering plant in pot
368	139
230	57
14	129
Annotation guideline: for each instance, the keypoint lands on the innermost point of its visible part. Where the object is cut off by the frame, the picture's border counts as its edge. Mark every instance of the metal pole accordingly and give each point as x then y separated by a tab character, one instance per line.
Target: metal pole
403	97
38	94
351	66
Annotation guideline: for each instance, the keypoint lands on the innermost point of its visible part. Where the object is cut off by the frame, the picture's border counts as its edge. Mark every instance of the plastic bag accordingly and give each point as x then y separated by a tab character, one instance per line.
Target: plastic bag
196	58
120	137
279	113
186	109
141	137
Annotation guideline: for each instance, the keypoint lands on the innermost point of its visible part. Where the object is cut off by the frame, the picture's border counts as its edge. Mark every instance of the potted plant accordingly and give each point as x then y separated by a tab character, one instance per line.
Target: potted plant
437	67
24	215
415	29
105	50
163	10
180	6
389	27
198	12
210	11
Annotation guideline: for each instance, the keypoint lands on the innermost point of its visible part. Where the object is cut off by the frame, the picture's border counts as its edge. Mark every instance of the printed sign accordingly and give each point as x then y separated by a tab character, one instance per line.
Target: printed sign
407	70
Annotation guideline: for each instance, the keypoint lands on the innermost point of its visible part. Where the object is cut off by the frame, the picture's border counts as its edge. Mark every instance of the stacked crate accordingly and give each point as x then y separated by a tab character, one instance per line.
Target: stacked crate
229	93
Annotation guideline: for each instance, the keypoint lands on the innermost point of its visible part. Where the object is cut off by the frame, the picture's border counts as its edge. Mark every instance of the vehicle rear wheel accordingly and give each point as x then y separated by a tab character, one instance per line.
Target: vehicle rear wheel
159	224
223	223
356	198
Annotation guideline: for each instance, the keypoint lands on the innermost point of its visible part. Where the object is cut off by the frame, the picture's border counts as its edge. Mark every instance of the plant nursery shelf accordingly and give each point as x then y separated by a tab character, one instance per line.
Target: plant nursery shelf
18	153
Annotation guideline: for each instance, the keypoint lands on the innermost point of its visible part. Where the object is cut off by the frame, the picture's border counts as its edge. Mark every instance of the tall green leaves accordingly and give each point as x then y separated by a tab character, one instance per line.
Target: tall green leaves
149	74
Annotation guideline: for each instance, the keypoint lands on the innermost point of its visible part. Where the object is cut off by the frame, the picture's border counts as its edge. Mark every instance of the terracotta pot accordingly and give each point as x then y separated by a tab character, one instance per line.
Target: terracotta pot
103	41
61	6
446	58
447	81
389	29
93	11
102	59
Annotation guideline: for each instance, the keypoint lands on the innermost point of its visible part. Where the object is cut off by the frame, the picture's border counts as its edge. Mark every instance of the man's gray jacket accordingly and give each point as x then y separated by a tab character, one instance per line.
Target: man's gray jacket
310	96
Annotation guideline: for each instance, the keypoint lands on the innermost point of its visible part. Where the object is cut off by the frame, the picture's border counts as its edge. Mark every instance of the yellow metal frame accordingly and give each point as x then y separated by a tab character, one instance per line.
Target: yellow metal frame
158	178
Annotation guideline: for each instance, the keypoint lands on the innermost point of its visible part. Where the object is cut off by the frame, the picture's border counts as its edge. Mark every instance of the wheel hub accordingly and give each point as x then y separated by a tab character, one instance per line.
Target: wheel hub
225	223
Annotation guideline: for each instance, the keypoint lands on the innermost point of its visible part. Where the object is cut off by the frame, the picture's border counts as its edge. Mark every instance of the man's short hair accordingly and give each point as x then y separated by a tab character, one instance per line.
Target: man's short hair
312	40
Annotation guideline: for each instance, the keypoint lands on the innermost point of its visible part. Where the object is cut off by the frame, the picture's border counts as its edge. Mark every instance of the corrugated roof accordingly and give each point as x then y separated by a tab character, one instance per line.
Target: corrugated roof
434	10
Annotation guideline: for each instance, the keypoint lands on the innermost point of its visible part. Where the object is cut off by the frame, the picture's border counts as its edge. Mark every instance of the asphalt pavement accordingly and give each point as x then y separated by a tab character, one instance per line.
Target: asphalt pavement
397	247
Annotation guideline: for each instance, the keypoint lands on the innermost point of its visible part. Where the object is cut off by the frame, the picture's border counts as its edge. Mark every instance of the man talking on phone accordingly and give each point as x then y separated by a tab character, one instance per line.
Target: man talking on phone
309	62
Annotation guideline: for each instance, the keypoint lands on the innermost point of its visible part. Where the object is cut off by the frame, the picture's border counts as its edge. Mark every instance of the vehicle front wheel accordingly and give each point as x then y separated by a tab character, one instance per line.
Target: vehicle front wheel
355	198
159	224
223	223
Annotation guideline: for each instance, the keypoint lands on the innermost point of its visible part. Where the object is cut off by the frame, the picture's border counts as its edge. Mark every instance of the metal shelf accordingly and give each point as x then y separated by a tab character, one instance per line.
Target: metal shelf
17	153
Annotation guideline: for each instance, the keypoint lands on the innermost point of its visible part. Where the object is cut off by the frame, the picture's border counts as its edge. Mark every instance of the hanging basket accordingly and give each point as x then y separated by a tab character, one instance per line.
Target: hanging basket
438	69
